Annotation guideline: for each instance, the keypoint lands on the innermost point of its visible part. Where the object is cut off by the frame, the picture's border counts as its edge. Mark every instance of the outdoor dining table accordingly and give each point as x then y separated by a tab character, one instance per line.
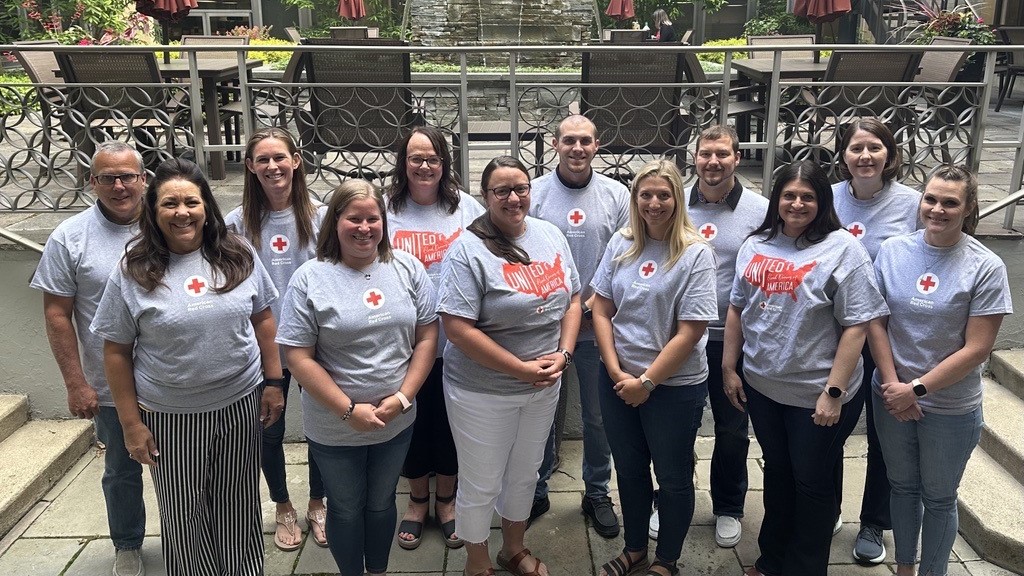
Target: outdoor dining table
759	70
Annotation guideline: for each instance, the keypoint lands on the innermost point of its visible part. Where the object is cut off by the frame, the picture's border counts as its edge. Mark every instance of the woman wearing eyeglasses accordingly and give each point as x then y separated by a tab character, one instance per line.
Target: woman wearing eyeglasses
426	213
509	302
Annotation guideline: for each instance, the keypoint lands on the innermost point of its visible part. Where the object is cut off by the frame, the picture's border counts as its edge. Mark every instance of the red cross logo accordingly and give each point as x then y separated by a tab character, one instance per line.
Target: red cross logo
709	231
927	283
647	269
279	244
576	217
195	286
857	229
373	298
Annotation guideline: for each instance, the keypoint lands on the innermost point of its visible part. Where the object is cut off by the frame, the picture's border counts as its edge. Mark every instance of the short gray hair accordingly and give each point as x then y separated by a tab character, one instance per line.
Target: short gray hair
116	147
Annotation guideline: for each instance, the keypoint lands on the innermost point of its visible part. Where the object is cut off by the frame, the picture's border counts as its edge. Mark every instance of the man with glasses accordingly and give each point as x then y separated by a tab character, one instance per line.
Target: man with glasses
588	208
79	256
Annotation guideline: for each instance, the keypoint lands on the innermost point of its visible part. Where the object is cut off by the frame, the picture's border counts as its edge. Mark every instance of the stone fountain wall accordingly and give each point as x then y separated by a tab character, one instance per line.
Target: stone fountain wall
503	22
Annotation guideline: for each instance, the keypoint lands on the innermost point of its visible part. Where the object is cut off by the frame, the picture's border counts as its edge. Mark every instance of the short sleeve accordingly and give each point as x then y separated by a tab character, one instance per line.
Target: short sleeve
113	320
857	298
426	305
602	281
55	273
738	295
266	292
460	290
297	326
992	292
699	299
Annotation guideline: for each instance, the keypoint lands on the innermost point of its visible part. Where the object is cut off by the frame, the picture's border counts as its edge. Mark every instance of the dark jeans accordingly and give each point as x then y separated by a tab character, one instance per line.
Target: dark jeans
732	441
361	512
122	484
799	483
432	448
663	430
874	506
272	462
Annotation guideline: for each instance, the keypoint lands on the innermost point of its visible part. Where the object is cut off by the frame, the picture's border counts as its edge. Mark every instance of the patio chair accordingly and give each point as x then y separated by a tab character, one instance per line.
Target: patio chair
349	32
1014	36
230	115
40	66
783	39
704	106
942	111
628	36
293	34
362	124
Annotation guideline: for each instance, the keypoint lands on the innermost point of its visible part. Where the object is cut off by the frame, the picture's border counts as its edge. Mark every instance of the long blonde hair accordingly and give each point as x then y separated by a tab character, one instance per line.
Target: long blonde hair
681	233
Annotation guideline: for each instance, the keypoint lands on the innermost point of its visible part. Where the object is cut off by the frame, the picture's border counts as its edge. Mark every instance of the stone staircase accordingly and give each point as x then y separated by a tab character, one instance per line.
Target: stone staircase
992	491
34	455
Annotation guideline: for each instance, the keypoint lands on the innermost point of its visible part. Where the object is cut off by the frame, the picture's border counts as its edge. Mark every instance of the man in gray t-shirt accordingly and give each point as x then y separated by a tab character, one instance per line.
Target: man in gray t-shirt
79	256
588	208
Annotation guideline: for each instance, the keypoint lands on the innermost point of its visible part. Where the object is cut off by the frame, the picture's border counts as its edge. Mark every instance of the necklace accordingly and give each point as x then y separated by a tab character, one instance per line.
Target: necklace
367	274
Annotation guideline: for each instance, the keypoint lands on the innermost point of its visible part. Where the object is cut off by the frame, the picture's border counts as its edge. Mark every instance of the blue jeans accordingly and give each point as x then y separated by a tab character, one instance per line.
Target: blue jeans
122	484
272	461
360	482
732	441
799	486
597	456
663	430
926	460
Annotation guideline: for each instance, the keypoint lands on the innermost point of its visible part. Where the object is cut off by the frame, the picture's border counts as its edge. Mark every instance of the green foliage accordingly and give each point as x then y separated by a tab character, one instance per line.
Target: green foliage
961	22
13	88
325	15
719	57
275	59
773	19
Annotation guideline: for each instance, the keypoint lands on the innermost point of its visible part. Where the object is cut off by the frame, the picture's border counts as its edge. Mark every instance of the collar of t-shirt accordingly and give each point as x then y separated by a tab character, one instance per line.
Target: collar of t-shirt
573	185
732	198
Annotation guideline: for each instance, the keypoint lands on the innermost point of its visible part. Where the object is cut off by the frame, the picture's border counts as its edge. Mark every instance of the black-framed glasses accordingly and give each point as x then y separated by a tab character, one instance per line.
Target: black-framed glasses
109	179
432	161
522	191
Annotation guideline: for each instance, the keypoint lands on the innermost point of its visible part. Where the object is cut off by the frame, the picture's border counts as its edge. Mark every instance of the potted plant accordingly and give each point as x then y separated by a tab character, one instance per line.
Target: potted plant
962	21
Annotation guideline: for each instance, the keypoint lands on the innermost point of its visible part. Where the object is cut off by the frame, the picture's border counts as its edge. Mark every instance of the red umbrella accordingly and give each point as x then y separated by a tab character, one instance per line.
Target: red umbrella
818	11
165	12
351	9
620	9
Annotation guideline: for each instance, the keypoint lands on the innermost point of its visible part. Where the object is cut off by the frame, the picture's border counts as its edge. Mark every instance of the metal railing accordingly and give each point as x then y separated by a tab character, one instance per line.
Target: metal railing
43	144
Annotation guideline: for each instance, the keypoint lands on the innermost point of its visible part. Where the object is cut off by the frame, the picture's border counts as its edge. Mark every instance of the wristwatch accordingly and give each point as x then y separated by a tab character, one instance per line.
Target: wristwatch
568	356
919	389
406	404
836	391
587	311
275	382
647	383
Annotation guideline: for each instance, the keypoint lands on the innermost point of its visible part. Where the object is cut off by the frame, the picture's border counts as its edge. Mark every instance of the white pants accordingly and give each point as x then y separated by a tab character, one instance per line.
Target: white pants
500	443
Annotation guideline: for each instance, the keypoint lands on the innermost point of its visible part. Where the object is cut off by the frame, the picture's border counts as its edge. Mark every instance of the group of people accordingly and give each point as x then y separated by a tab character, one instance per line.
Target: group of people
430	334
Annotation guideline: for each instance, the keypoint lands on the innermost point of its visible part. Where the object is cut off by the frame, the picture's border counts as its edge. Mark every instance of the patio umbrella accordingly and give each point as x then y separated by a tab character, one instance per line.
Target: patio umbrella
351	9
165	12
818	11
620	9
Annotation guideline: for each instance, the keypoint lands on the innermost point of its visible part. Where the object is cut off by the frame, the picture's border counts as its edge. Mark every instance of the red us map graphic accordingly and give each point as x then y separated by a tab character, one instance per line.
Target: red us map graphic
428	247
776	275
538	278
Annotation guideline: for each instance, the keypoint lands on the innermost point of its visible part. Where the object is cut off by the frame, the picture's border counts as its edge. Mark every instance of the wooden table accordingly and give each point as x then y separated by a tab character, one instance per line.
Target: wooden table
211	72
759	70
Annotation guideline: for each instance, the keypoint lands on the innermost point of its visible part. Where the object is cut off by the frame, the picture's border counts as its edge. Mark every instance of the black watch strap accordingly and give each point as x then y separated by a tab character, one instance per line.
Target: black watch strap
275	382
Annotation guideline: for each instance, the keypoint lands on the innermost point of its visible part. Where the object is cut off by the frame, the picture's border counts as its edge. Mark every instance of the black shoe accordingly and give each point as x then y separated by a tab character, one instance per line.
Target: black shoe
602	516
540	507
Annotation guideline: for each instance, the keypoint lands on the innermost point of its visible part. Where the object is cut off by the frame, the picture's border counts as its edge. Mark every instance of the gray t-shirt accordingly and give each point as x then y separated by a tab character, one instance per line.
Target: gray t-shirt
519	307
651	299
427	232
363	330
588	217
795	304
279	247
725	229
76	262
195	349
931	293
891	212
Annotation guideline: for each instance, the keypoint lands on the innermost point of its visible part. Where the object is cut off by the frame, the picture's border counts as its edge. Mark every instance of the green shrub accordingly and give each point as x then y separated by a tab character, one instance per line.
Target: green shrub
719	57
13	88
277	60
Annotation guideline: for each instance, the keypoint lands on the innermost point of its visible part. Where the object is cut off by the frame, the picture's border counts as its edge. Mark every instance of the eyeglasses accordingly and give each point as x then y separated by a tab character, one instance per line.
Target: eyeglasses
417	161
109	179
522	191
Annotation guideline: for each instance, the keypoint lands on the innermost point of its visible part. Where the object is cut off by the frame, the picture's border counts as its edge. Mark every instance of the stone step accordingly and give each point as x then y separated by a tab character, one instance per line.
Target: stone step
1003	434
1007	367
13	413
34	458
990	517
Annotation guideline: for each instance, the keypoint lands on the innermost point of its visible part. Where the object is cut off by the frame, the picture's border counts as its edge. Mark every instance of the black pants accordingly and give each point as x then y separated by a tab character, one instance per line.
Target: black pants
432	448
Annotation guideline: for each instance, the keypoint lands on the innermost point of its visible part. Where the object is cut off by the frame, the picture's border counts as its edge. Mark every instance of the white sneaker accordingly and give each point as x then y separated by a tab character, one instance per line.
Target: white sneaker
838	526
128	563
652	527
727	531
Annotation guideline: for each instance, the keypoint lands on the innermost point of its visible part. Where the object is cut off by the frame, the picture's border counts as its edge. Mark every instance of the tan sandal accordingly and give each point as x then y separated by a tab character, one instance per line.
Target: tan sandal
288	521
512	564
317	520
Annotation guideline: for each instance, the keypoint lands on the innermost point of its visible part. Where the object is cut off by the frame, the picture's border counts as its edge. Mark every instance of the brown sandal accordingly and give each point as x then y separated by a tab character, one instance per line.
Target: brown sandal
512	564
488	572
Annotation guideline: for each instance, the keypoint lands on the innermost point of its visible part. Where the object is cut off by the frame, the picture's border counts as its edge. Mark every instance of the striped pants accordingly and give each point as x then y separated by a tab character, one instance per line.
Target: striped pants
207	488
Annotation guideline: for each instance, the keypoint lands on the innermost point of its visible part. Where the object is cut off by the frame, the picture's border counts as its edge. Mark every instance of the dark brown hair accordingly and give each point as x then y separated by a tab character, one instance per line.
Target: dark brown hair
255	205
875	127
448	188
146	261
494	239
825	221
328	246
719	132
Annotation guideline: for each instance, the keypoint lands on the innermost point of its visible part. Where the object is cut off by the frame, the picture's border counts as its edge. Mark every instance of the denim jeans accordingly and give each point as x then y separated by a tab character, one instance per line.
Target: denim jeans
732	441
874	506
799	486
663	430
926	460
361	515
122	484
272	461
597	456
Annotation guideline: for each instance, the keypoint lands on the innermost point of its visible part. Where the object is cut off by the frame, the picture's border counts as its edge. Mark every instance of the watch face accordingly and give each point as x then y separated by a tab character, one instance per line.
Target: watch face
920	390
835	391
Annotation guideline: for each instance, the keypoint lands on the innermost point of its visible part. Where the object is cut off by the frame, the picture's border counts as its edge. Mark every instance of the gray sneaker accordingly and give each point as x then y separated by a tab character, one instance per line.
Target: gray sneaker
128	563
869	548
